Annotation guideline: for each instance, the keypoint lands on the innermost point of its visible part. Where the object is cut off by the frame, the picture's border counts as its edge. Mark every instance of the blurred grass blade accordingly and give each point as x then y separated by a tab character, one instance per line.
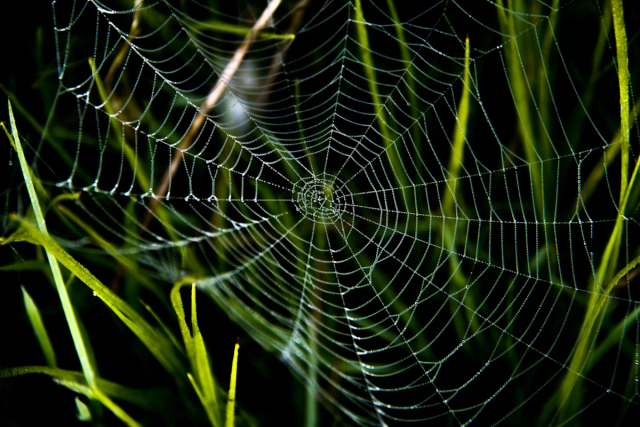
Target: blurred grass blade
77	382
34	265
69	312
379	106
456	158
129	153
94	393
452	200
38	327
127	262
231	403
164	327
600	296
34	181
84	414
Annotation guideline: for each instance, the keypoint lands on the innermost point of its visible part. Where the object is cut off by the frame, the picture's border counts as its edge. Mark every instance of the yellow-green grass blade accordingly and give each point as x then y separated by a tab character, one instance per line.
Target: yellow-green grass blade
25	266
129	153
406	55
36	182
84	414
600	295
155	341
64	155
69	312
392	153
623	79
39	329
612	151
125	261
203	370
201	377
519	86
164	327
231	403
225	27
453	198
77	382
176	302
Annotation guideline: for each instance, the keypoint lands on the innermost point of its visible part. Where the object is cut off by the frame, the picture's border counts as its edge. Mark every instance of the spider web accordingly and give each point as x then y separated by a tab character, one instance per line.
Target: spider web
410	255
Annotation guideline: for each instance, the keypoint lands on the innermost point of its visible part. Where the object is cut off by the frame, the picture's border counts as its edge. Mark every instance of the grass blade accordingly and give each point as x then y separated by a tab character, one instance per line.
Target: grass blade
600	296
202	377
38	327
203	368
77	382
69	312
154	340
231	403
623	78
379	106
84	414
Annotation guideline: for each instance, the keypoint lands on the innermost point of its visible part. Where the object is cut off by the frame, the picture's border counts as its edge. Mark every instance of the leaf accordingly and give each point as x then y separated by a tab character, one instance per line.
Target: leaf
77	382
83	410
231	403
82	346
202	378
38	327
203	371
154	340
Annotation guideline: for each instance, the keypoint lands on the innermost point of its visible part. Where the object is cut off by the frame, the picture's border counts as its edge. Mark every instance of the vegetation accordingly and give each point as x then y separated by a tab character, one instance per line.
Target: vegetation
90	331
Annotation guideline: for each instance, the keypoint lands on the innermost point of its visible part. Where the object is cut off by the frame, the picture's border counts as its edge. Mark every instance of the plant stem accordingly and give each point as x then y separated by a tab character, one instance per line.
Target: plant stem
623	77
70	315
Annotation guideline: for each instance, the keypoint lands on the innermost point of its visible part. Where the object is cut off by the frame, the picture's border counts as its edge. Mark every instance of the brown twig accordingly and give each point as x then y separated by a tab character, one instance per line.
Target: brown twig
212	99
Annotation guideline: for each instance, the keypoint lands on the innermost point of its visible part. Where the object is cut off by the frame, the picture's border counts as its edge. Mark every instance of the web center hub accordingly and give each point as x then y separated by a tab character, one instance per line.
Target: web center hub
322	199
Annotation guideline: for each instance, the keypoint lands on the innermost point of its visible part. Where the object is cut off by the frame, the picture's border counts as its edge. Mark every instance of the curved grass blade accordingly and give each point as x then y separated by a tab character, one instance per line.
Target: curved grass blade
202	377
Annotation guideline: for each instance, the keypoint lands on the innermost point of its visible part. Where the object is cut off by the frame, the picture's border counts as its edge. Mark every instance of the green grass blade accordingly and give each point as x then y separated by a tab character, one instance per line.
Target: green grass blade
164	327
69	312
84	414
202	378
37	184
38	327
77	382
155	341
225	27
203	368
129	153
623	78
25	266
231	403
456	157
605	279
176	301
452	199
126	261
379	106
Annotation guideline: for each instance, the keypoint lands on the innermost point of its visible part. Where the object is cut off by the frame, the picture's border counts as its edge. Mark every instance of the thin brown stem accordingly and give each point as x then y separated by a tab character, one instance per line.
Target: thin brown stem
212	99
